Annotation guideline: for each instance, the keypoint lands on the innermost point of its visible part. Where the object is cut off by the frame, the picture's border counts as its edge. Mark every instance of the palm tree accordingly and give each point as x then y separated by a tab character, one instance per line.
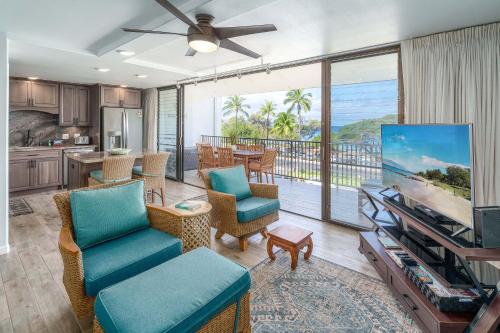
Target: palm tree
235	104
267	110
284	125
300	102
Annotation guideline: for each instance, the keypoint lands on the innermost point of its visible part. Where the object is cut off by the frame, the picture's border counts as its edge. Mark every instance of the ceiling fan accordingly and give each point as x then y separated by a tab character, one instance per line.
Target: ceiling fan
203	37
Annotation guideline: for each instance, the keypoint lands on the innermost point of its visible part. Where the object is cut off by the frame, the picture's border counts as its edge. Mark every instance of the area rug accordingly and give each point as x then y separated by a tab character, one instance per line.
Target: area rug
19	206
320	296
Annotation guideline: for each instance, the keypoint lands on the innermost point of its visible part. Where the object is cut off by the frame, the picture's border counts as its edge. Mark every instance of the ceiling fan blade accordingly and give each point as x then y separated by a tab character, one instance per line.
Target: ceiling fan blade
230	45
190	52
180	15
229	32
152	32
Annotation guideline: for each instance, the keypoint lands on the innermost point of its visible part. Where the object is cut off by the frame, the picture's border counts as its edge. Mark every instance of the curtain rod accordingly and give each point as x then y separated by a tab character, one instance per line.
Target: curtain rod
361	52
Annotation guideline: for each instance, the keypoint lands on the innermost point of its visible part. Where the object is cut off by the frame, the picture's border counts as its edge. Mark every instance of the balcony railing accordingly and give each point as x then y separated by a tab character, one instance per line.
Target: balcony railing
351	164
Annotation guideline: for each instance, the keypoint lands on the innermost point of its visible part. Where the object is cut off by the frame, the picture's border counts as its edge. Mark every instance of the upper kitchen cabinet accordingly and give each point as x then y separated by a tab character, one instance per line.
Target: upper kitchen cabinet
34	95
20	93
120	97
44	95
75	105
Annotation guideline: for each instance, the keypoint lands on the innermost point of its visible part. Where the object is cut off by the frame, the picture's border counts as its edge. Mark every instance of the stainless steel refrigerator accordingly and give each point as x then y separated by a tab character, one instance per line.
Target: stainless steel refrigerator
121	128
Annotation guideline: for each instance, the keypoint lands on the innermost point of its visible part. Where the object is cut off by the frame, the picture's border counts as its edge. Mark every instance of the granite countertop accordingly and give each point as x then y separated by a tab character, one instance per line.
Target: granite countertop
95	157
63	147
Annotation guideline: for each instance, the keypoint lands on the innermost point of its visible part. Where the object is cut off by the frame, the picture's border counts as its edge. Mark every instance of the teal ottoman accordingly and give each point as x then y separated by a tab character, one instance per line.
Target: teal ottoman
199	291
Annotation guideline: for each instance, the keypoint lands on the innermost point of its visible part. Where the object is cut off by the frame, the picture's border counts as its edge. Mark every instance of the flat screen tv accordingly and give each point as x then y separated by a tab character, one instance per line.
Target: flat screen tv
432	165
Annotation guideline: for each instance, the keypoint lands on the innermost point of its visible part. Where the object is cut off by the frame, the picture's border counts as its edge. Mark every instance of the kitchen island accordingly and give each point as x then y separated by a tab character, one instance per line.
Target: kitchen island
81	164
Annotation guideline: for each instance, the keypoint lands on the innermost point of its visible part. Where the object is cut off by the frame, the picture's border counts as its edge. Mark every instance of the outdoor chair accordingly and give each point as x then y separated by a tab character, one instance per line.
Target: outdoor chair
264	165
239	208
153	172
108	235
241	146
225	157
198	152
256	147
208	159
114	169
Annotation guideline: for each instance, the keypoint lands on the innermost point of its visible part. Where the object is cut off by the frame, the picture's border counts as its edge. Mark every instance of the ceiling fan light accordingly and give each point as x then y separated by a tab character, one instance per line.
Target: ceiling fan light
203	46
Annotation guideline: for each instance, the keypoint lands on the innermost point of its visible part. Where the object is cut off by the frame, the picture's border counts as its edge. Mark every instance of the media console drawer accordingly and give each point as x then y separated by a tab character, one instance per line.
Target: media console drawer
374	258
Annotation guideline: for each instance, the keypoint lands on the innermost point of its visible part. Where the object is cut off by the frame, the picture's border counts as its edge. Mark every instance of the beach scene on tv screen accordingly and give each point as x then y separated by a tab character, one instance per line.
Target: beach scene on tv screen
430	164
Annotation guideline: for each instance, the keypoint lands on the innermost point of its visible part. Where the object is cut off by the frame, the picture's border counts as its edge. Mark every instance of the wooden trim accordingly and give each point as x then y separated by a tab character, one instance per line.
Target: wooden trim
325	167
401	90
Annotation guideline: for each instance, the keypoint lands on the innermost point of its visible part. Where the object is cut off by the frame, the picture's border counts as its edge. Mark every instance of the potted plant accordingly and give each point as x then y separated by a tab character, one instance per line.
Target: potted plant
233	139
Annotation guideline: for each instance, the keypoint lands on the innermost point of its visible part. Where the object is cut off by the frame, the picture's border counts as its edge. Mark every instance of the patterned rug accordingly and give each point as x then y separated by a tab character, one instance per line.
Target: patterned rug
320	296
19	206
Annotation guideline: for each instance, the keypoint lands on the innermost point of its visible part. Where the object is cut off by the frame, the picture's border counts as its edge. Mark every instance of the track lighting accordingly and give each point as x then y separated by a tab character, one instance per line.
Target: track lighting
178	85
239	74
268	69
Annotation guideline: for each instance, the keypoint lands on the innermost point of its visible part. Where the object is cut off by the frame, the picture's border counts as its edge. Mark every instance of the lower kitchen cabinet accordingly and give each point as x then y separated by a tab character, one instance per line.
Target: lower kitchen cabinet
35	170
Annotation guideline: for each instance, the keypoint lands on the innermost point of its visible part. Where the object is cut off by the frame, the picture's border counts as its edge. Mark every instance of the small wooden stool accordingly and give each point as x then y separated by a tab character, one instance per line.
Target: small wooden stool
292	239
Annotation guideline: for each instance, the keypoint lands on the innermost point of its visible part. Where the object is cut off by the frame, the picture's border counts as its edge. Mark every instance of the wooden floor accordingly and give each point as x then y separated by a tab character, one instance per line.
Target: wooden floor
32	296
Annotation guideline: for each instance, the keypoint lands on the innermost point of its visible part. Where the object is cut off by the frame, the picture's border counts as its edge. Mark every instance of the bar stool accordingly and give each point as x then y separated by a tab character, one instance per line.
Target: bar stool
152	172
114	169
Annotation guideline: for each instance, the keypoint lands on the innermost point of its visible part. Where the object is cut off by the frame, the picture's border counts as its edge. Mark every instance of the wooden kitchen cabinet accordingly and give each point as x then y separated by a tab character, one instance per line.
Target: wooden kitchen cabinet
44	94
25	93
19	93
118	97
29	170
75	105
20	175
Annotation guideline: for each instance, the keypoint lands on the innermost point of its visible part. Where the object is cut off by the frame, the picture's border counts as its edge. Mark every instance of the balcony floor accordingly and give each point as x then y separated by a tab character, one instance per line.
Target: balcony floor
304	198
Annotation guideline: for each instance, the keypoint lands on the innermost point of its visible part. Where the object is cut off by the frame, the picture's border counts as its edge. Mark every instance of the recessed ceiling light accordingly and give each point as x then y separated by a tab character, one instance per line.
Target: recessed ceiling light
104	70
141	76
126	53
123	85
33	77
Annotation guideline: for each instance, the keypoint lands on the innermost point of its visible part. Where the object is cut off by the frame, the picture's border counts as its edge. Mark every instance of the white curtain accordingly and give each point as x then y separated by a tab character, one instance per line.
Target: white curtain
454	77
150	135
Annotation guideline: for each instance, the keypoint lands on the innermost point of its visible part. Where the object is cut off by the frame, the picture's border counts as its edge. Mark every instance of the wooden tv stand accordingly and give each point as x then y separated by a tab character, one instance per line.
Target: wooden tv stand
429	318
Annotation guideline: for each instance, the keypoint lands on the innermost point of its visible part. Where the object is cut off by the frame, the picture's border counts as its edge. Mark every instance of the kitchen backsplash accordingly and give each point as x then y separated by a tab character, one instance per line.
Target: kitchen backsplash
43	126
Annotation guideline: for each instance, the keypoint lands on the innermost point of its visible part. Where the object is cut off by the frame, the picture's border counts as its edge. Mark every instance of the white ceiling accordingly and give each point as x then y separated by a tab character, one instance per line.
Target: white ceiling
66	39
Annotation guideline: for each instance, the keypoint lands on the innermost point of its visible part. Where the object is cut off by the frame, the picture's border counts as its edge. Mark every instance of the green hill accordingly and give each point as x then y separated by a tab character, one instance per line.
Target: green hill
363	131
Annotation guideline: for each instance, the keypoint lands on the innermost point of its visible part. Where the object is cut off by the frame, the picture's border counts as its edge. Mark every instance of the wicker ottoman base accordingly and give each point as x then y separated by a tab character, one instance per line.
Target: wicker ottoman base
222	323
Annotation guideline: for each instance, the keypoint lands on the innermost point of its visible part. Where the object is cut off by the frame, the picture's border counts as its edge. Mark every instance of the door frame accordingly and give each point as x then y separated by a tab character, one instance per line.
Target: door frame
326	120
179	153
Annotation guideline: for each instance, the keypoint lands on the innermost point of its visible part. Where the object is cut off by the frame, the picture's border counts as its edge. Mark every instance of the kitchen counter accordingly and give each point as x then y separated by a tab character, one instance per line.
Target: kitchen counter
95	157
37	148
81	164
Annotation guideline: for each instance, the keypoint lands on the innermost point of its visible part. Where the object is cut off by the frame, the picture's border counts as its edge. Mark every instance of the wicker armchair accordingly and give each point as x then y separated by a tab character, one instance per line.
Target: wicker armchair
224	217
153	173
114	169
73	278
208	159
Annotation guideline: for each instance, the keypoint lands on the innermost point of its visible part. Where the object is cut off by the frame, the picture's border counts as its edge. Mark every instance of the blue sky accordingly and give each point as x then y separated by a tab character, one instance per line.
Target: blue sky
351	102
425	147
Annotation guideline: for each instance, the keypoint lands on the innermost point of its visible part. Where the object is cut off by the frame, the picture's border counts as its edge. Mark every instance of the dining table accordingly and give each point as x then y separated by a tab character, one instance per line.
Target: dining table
246	156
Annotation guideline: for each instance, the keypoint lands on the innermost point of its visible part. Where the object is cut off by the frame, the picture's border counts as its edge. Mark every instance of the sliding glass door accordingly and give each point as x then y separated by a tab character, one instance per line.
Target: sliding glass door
170	129
364	95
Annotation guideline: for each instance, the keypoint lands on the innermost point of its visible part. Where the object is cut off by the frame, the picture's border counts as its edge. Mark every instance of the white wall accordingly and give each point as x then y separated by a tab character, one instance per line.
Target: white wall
4	139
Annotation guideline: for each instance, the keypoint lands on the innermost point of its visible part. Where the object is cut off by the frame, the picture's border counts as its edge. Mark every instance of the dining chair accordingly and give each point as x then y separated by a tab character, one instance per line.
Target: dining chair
241	146
225	157
114	169
208	159
265	165
256	147
198	152
152	171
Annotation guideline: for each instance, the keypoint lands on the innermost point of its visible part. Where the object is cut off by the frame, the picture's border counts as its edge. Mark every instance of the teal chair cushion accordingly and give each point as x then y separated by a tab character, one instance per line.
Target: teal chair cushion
252	208
119	259
103	214
231	181
137	170
97	175
180	295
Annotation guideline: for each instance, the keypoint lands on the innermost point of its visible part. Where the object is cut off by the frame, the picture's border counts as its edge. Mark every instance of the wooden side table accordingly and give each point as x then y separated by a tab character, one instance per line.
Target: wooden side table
290	238
195	225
